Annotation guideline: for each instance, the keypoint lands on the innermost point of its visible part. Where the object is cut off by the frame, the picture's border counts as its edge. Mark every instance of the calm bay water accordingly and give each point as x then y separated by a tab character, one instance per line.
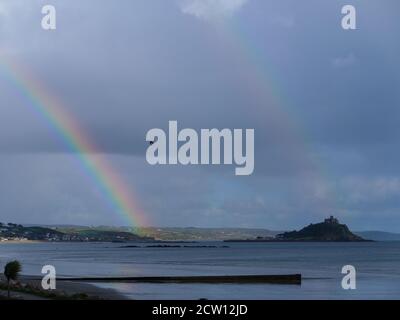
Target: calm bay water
377	264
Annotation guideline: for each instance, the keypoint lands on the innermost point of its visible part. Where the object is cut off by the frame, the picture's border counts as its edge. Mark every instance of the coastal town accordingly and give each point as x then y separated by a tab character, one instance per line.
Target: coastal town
19	233
328	230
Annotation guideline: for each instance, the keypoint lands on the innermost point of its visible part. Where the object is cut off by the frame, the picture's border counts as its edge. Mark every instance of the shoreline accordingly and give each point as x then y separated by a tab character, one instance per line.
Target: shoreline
288	240
21	242
84	288
67	289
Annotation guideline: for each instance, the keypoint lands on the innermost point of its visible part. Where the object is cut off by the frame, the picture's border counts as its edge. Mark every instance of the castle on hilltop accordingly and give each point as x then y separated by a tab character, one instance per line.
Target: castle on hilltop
331	220
328	230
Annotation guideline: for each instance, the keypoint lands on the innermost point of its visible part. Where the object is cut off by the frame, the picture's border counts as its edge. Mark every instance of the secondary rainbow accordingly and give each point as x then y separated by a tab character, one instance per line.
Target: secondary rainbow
114	190
259	77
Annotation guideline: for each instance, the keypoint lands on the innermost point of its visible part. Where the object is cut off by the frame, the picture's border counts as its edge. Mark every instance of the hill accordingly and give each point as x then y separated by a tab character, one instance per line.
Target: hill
329	230
203	234
177	233
110	233
13	231
17	231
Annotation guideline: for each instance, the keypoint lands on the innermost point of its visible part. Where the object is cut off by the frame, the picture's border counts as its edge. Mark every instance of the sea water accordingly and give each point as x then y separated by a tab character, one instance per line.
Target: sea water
377	265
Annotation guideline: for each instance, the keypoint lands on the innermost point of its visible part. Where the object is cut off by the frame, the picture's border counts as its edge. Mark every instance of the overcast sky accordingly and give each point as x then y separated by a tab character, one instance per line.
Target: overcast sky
324	103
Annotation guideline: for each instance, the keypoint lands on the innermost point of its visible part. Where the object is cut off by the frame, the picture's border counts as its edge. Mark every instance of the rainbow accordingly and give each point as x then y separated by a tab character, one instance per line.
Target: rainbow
259	77
115	192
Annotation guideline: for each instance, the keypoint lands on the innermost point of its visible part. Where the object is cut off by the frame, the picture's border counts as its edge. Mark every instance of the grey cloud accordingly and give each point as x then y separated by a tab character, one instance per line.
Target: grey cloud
211	9
324	104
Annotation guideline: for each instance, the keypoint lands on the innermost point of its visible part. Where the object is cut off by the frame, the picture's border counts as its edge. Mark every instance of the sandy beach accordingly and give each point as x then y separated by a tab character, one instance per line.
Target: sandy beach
5	242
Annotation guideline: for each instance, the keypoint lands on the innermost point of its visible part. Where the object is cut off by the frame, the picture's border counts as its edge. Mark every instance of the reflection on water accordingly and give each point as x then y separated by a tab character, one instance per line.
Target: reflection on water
377	264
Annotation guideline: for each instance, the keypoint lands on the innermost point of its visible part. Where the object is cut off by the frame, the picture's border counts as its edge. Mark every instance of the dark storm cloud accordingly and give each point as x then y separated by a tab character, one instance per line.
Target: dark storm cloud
325	111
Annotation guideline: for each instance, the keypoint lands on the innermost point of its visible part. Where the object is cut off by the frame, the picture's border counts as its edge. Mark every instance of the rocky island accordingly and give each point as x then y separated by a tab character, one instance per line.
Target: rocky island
328	230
